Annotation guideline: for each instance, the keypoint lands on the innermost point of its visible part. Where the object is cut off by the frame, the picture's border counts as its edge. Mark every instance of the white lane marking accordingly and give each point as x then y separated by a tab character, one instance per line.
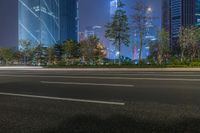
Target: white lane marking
108	69
89	84
140	74
95	77
63	99
162	75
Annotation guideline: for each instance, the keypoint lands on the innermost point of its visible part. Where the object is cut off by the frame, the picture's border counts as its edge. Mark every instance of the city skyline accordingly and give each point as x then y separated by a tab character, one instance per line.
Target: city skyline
47	22
87	18
39	22
102	17
99	66
177	14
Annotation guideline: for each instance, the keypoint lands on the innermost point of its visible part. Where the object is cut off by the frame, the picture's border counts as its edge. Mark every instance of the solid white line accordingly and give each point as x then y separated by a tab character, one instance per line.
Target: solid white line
162	75
90	84
112	69
63	99
20	67
95	77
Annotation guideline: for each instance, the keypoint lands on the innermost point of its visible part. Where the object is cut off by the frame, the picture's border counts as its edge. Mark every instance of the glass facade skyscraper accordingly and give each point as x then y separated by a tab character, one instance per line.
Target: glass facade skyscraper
184	13
113	7
47	22
181	13
166	15
68	20
197	13
176	16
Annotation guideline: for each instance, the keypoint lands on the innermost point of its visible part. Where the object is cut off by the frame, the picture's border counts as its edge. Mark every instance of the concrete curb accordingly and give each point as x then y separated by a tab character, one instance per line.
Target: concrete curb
32	68
20	68
127	69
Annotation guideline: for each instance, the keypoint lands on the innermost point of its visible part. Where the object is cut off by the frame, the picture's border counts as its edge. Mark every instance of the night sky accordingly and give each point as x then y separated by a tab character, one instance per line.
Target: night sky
92	12
8	23
96	12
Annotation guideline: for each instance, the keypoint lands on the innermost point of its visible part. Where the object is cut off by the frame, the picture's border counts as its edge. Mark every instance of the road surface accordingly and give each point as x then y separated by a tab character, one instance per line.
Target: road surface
99	101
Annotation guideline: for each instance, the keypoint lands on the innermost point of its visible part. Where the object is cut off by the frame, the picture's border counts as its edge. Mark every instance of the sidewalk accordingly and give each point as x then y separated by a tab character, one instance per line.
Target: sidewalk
128	69
101	69
20	68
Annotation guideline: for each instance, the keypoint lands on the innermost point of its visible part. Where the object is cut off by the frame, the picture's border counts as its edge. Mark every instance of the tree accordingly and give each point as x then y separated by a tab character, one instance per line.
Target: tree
160	49
50	55
194	42
6	55
183	41
92	50
71	50
163	47
118	30
140	19
25	48
40	55
189	42
17	57
87	49
153	52
198	41
100	53
58	52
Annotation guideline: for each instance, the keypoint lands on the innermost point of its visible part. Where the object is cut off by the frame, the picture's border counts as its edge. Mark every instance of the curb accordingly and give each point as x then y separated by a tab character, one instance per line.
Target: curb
32	68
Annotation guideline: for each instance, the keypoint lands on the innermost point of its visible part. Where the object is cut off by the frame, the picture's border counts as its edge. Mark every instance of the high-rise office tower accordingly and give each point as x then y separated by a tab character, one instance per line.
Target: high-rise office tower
68	20
47	22
177	14
197	12
182	15
113	7
111	49
166	15
150	27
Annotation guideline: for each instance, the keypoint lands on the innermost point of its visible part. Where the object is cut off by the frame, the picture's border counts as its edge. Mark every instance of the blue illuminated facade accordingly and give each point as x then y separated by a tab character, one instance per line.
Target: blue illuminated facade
47	22
197	12
166	15
111	49
176	16
113	7
68	20
183	13
178	13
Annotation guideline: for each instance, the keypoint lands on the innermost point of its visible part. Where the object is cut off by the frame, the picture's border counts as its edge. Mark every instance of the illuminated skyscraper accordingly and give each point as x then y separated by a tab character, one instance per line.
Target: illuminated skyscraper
197	12
113	7
182	14
47	22
39	21
68	19
166	15
150	31
177	14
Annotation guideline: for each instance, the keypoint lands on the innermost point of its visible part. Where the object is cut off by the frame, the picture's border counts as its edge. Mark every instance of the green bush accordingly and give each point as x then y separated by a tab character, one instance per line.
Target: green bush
195	64
176	66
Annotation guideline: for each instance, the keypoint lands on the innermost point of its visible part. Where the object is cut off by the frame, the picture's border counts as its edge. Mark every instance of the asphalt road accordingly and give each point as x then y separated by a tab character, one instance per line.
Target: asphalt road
99	101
